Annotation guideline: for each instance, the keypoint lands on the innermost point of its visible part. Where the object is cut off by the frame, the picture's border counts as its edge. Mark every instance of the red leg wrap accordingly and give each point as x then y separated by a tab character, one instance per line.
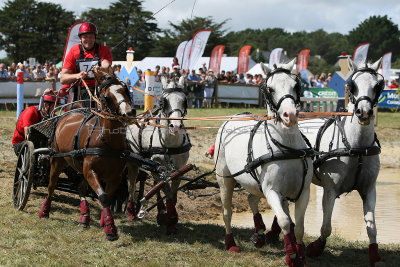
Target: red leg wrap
374	256
301	258
45	210
290	249
110	229
273	235
316	248
84	219
171	218
230	244
131	210
258	222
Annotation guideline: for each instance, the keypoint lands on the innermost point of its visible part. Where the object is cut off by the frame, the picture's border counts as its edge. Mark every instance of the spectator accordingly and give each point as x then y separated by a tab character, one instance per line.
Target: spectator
240	78
46	67
3	72
142	78
223	75
259	79
317	81
11	73
167	70
27	76
209	86
164	71
394	85
249	79
38	74
51	75
116	70
175	62
157	76
228	78
175	75
194	90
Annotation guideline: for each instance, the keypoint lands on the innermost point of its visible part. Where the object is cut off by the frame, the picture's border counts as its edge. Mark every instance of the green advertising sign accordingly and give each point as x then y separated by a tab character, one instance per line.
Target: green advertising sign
323	92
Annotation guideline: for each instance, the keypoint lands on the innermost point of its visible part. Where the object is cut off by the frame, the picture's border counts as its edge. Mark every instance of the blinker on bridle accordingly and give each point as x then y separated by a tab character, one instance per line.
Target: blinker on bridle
267	91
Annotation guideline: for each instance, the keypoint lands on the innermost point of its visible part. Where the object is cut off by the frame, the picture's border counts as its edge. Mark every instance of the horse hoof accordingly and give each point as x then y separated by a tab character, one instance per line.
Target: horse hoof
43	214
258	240
161	219
271	238
112	237
172	230
84	221
234	249
316	248
131	210
374	257
297	262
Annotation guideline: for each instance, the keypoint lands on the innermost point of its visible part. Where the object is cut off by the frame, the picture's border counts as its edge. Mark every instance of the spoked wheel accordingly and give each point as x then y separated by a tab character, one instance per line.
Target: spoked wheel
23	175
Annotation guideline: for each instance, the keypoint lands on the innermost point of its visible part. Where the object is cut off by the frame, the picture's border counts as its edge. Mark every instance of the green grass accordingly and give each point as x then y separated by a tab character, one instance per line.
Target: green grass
27	240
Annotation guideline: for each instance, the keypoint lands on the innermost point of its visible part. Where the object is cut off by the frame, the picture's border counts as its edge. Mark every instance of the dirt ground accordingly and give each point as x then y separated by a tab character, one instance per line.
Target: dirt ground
200	208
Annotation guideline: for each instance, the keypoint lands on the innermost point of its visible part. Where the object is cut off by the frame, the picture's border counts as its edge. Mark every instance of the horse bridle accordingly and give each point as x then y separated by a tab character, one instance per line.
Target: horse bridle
109	80
163	102
378	88
267	91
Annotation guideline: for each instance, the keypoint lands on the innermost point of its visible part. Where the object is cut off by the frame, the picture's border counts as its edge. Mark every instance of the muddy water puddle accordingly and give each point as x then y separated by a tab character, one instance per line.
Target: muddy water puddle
347	218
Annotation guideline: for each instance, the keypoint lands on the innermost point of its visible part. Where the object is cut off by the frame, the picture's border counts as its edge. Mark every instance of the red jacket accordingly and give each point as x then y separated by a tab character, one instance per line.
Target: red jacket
27	118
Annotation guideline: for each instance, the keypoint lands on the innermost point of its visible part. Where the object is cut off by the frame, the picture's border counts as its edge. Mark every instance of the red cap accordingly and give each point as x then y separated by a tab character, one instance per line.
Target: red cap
87	27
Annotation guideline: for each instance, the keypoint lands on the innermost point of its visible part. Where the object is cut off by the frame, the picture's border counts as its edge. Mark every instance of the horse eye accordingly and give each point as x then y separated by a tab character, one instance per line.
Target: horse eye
270	90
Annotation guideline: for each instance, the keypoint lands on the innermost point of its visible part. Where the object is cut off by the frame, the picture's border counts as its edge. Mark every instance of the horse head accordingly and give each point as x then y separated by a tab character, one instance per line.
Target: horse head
114	95
282	92
173	103
364	88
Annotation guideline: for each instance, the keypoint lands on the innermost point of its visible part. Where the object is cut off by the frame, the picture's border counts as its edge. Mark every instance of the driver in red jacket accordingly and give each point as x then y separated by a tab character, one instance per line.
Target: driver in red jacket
30	116
80	60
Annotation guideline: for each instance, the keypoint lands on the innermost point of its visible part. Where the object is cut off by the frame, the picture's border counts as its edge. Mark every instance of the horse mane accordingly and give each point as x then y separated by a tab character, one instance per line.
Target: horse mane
103	74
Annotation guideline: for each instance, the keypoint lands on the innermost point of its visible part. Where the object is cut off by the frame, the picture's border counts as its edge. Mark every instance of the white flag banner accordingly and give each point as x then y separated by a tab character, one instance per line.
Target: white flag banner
275	57
386	65
360	53
199	42
72	38
185	56
179	52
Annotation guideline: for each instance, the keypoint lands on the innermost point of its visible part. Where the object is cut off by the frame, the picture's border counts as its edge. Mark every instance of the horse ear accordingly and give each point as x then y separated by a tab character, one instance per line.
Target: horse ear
290	65
181	82
265	69
164	82
377	64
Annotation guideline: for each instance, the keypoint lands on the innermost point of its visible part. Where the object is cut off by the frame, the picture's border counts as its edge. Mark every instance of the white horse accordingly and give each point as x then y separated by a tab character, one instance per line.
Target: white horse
353	161
279	160
168	145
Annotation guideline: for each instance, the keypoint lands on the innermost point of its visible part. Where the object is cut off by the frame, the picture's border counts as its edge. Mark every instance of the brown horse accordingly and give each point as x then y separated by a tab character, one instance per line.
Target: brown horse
93	145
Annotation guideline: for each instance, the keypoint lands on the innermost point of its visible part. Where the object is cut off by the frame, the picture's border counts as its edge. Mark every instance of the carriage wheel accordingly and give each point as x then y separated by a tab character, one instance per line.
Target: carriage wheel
23	175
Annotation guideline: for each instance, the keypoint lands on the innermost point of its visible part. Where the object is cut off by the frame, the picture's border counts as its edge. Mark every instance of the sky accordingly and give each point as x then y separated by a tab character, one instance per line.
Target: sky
307	15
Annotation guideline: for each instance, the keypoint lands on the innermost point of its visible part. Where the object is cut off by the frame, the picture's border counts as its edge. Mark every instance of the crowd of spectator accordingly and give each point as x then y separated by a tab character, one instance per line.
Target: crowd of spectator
319	80
47	72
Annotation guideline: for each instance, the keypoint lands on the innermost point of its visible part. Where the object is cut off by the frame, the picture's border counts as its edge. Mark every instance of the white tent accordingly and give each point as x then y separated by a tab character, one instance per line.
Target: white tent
257	70
227	63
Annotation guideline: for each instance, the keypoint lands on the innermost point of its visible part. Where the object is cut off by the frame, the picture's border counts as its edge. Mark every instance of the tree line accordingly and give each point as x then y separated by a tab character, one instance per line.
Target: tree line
29	28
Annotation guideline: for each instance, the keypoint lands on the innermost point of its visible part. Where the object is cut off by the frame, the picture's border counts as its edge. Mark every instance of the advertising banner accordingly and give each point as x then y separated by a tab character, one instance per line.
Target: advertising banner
275	57
72	38
215	59
389	99
386	65
199	43
243	59
302	59
179	51
360	53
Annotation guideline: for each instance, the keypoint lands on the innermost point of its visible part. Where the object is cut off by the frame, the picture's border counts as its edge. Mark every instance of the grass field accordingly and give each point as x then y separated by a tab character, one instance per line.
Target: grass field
27	240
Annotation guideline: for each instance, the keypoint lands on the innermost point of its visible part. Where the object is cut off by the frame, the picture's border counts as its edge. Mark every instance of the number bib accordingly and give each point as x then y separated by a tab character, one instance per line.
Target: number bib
88	66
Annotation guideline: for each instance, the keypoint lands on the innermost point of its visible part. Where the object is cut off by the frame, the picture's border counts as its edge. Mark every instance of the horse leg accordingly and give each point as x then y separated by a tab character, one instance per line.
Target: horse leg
275	201
171	218
272	236
258	237
299	213
133	172
285	206
316	248
84	219
369	217
107	220
56	166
